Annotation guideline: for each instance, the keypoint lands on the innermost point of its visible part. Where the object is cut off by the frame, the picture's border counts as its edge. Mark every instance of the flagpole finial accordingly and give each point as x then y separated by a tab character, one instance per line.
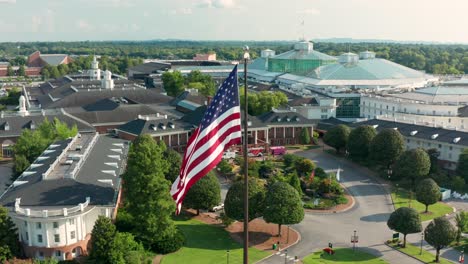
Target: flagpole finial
246	52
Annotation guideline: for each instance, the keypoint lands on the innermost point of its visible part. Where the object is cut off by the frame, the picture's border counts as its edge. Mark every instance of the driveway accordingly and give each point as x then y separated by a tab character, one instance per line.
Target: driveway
368	216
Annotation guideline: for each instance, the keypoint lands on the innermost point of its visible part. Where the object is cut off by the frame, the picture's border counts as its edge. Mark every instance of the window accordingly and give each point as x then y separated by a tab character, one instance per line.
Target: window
387	107
72	235
433	112
428	144
440	145
58	253
380	106
323	116
27	236
450	120
404	110
407	141
72	221
38	226
450	155
450	147
103	211
449	112
41	254
39	238
418	111
57	238
324	110
55	224
25	223
393	108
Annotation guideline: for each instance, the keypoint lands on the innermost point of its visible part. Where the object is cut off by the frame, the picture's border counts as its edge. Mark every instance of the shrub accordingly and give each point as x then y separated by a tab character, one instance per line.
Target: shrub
330	186
169	244
290	159
441	178
341	199
225	219
319	172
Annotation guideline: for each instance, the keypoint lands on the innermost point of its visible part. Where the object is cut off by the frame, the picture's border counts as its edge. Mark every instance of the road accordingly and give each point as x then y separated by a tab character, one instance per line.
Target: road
368	216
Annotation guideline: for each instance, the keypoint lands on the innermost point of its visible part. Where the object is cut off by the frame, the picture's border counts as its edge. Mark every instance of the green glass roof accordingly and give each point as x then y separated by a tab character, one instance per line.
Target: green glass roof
370	69
304	55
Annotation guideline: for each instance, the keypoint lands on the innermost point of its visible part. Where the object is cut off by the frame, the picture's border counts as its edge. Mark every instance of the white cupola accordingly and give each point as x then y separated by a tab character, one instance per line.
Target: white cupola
22	106
107	82
95	72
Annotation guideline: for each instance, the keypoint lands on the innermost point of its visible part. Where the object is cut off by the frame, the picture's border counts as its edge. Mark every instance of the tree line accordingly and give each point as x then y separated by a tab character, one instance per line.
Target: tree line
432	58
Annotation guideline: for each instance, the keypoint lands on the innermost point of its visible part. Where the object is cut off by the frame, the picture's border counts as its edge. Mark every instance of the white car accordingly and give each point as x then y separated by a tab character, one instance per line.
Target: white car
217	208
229	155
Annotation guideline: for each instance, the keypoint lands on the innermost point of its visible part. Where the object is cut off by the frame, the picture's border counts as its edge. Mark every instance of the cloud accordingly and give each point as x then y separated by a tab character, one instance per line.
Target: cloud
216	4
110	3
83	25
6	27
45	22
309	11
181	11
7	1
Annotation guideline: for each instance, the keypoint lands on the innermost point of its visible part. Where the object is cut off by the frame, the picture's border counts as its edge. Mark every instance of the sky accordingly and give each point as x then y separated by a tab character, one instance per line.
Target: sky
77	20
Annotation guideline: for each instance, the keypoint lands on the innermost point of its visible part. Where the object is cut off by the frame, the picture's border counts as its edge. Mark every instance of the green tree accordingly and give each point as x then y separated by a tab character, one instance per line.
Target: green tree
45	74
406	221
234	202
224	167
290	159
283	205
434	157
304	167
428	192
462	167
175	160
295	182
359	142
10	71
173	83
54	72
387	147
102	239
146	189
461	220
305	136
20	164
62	131
204	194
413	164
266	169
21	71
337	137
9	244
439	234
122	245
262	102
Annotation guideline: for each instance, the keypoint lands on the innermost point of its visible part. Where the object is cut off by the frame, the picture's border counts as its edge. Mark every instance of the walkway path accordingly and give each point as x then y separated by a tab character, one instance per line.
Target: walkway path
368	217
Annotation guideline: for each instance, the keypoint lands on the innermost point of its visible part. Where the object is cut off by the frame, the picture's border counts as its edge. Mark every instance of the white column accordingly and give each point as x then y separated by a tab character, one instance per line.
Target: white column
66	231
29	234
169	140
284	132
255	140
293	129
274	132
47	242
267	139
178	140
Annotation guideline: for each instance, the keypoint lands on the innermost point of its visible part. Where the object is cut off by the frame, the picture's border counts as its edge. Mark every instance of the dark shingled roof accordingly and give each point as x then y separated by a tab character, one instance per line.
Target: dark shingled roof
121	114
423	132
150	67
287	118
154	127
18	123
326	124
71	192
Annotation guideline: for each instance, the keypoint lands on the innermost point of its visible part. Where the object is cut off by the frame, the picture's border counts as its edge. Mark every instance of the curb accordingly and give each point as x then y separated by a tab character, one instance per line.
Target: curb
353	203
404	253
297	241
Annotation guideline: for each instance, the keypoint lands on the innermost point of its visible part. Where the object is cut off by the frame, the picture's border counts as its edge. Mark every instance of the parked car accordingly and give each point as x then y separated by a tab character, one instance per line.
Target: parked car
229	155
255	152
278	150
216	208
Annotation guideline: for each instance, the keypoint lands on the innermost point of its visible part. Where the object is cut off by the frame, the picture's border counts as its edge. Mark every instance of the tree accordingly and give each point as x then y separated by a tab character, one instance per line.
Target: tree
9	244
266	169
305	136
20	164
337	137
439	234
21	71
175	160
304	167
434	157
10	71
386	147
406	221
461	220
62	131
283	205
428	192
204	194
359	142
234	202
413	164
224	167
462	167
146	189
54	72
295	183
102	239
290	159
262	102
45	74
173	83
122	245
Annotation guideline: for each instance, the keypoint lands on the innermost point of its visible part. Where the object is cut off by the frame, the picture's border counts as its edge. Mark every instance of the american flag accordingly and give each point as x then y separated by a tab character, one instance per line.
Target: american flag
219	129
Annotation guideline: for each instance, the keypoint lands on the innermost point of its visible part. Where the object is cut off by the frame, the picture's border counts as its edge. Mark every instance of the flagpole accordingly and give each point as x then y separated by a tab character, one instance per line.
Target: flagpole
246	176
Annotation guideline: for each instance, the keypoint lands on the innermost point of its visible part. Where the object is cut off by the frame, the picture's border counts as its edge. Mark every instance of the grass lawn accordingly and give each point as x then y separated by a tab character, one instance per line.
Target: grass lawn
426	256
401	199
208	244
343	255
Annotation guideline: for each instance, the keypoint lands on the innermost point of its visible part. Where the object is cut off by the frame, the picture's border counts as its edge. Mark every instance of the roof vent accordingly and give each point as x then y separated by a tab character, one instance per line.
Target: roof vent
413	132
171	125
434	136
278	119
456	140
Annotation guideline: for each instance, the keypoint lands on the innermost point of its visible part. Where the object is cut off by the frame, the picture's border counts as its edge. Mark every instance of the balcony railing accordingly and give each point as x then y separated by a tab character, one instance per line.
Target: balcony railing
49	213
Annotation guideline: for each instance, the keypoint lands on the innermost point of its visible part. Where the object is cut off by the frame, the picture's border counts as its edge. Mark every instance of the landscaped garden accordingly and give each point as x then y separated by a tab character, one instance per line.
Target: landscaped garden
401	198
342	256
415	251
208	244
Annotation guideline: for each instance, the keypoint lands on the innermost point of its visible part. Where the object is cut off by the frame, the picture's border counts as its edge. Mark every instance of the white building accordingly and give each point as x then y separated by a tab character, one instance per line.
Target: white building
57	200
449	143
442	106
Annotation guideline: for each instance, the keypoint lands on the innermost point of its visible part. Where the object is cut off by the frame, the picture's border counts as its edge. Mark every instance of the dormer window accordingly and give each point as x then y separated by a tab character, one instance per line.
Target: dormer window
288	119
278	119
32	125
456	140
434	136
162	126
6	126
153	127
171	125
413	132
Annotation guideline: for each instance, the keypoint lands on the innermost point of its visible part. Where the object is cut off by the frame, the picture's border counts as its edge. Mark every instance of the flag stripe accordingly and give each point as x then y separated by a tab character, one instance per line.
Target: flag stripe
219	129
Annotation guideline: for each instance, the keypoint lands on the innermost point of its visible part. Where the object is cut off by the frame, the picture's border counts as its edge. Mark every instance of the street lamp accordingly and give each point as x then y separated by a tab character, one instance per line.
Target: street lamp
422	238
227	256
389	172
286	256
